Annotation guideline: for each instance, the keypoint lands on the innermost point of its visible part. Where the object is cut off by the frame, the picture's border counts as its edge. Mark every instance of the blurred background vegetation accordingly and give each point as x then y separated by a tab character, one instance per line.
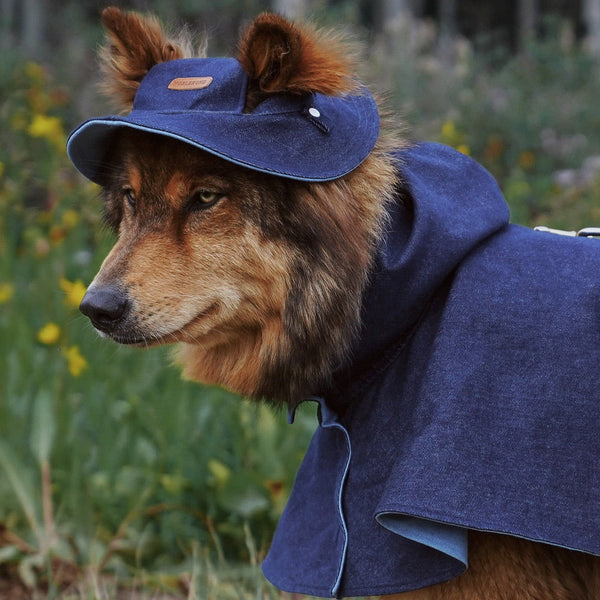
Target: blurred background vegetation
117	477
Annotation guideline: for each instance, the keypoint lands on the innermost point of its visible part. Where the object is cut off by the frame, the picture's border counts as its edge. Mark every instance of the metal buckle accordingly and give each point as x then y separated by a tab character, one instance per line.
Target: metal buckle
591	232
588	232
556	231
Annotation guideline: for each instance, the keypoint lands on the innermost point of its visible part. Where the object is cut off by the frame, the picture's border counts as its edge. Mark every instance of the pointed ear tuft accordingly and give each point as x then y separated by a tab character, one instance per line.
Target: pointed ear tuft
282	57
134	45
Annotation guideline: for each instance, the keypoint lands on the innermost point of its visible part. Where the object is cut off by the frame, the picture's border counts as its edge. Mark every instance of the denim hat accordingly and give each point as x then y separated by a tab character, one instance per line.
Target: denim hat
200	101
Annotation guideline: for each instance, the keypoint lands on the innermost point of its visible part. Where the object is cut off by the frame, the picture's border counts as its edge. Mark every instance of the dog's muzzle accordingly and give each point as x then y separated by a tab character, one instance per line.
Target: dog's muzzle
106	307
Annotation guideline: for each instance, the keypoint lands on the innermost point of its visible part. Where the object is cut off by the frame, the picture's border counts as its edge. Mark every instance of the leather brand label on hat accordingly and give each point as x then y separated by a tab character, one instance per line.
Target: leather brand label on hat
190	83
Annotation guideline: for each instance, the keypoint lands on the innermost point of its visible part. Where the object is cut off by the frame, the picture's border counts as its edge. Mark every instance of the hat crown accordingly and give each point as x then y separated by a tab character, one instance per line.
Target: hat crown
201	101
193	84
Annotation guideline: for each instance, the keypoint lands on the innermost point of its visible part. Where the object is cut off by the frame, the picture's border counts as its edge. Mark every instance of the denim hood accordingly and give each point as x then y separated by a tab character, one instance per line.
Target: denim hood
471	401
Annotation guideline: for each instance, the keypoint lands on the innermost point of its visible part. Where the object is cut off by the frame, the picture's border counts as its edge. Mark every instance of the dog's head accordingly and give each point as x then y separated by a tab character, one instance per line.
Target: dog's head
258	276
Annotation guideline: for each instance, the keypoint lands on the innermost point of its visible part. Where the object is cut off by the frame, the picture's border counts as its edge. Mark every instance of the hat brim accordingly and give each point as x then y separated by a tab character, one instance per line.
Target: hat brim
292	144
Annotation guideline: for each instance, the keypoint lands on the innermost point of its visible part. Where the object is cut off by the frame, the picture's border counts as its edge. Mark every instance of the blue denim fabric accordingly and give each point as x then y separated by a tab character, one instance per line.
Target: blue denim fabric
471	401
280	136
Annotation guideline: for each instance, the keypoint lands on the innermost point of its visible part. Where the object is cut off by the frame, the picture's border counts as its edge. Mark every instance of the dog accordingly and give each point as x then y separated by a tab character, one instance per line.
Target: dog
269	219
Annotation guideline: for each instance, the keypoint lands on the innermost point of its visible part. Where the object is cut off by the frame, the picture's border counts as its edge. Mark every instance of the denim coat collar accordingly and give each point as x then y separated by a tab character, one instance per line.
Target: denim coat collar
471	401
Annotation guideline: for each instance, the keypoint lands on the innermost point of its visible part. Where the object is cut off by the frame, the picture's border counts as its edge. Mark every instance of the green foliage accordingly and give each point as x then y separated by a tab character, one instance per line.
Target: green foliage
530	119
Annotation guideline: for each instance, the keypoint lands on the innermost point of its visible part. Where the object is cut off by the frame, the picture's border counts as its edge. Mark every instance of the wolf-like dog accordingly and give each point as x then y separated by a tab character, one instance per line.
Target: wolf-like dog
260	263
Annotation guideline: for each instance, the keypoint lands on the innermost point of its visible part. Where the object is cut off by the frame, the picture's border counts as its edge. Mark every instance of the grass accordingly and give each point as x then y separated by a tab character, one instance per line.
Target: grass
117	478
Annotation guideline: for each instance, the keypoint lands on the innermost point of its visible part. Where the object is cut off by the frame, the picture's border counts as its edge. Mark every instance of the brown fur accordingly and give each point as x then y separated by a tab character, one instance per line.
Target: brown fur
507	568
262	287
281	56
264	260
134	45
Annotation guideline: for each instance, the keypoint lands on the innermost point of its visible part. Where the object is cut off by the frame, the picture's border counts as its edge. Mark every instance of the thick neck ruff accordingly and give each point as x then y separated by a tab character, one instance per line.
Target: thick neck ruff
471	402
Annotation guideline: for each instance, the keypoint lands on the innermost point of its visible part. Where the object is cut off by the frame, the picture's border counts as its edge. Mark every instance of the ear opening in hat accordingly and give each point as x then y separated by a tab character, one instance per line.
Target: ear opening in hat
134	44
282	57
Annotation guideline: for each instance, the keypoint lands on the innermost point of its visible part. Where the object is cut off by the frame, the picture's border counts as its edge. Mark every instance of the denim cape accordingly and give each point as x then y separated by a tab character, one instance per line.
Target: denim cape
471	401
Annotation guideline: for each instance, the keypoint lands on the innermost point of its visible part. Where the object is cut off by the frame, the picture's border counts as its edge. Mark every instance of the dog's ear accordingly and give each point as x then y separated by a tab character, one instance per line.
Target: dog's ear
134	45
282	57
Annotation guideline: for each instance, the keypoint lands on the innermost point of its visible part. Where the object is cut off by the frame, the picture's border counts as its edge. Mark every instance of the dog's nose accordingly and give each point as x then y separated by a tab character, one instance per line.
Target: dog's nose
105	306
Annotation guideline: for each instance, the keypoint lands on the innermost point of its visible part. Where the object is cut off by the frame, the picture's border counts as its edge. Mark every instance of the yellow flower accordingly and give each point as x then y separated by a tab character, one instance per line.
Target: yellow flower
49	334
173	484
76	363
74	291
453	137
7	291
70	218
57	234
220	472
527	159
34	71
48	128
448	130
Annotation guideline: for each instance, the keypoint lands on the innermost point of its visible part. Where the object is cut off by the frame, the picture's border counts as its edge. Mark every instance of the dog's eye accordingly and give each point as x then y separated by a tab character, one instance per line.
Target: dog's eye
203	199
129	196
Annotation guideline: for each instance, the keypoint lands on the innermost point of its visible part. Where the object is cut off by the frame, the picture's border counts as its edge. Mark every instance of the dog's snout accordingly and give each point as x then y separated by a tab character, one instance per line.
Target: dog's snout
105	306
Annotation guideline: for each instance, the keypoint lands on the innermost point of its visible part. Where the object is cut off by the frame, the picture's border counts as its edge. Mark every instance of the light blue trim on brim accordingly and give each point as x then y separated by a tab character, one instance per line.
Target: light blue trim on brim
80	161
